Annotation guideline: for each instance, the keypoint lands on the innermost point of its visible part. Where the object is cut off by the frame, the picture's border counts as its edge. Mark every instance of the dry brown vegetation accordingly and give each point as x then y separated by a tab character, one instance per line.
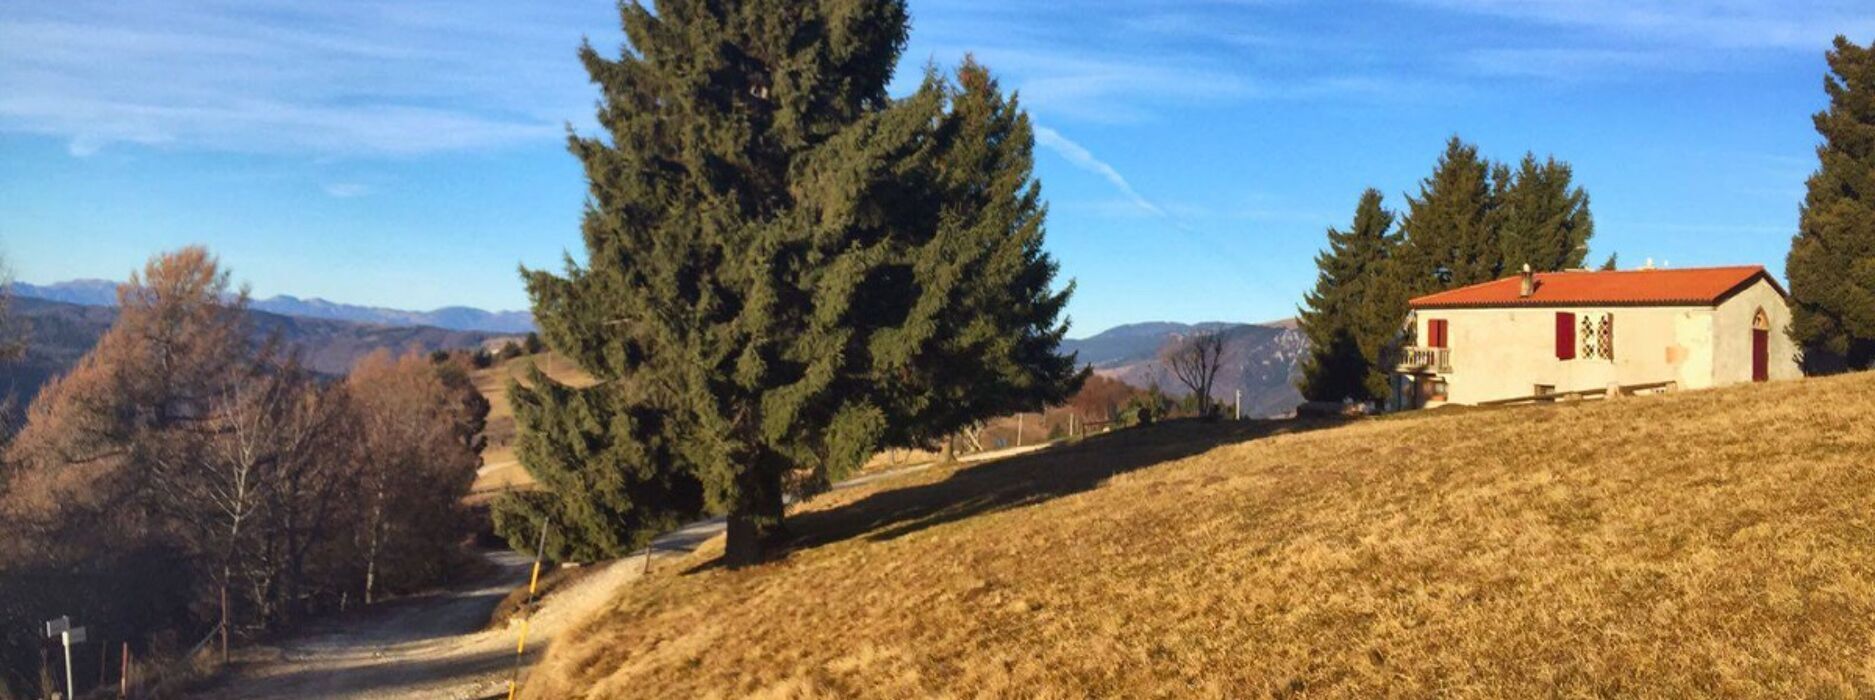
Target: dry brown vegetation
500	470
1705	543
181	479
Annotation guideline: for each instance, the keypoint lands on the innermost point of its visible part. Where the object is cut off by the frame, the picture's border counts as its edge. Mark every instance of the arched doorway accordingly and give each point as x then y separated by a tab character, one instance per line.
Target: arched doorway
1760	347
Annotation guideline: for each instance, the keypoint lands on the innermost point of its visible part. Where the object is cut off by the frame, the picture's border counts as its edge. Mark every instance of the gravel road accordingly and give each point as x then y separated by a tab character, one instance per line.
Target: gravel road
434	646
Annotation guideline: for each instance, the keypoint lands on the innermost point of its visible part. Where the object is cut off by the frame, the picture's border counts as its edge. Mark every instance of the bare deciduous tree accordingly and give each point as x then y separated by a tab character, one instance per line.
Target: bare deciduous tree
417	462
1195	361
182	460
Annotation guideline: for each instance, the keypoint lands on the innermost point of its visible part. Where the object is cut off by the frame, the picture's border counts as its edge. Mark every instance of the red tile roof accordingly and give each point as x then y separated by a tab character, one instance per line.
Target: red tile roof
1693	286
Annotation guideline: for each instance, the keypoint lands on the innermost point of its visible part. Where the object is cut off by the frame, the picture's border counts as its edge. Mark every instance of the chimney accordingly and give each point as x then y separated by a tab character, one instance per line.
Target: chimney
1529	282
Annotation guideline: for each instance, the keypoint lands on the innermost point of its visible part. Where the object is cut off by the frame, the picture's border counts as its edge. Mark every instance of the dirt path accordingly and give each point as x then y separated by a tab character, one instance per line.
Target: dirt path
434	646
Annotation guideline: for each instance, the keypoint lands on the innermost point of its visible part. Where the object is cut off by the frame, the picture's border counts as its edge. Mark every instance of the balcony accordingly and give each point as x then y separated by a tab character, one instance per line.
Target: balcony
1425	360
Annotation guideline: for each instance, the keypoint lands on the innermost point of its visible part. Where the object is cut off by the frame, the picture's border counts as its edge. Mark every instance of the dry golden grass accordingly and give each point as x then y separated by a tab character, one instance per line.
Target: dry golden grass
1705	543
500	470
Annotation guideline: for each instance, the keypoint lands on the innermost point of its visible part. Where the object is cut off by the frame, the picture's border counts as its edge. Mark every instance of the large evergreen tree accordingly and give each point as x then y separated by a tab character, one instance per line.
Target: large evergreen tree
1447	235
1542	219
1347	330
1476	221
786	270
1831	266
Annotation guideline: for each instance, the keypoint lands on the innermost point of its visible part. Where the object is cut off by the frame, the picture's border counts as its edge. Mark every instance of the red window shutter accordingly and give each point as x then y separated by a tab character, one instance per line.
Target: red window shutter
1565	335
1436	329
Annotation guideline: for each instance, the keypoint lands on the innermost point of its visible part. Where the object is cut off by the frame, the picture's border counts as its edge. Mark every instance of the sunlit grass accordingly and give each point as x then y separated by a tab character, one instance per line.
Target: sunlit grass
1703	543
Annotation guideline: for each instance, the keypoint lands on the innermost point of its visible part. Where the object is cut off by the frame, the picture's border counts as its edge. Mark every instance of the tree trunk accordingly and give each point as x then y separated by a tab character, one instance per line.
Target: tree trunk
755	523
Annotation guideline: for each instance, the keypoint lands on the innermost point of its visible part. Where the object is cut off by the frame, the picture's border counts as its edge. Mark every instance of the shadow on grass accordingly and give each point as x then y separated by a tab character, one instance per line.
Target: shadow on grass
1027	479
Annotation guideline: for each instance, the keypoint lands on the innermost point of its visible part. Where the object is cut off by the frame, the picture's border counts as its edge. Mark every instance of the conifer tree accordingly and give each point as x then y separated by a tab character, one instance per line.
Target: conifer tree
786	270
1542	220
1347	330
1611	264
1447	235
1831	266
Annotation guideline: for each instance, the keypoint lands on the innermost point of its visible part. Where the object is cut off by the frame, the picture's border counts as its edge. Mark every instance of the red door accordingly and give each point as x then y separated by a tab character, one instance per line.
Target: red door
1760	355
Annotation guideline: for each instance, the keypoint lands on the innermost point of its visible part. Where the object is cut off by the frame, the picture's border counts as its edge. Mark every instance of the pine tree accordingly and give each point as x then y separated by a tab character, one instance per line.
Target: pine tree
1542	220
1611	264
1447	235
1831	266
1345	334
787	270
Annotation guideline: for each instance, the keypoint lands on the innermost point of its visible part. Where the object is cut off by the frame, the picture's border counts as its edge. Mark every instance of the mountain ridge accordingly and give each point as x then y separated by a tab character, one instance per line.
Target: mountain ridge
99	292
1262	360
58	333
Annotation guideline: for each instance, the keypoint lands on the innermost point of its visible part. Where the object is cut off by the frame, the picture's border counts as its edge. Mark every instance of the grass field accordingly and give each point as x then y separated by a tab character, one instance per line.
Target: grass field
499	469
1702	543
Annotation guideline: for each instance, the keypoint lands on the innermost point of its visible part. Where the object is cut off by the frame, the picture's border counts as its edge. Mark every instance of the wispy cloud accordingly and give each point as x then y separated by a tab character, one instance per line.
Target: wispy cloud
1735	24
1081	158
1568	64
346	190
339	78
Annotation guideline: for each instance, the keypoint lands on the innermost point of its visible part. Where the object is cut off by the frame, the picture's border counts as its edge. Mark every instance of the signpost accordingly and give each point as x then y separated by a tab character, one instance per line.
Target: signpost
68	635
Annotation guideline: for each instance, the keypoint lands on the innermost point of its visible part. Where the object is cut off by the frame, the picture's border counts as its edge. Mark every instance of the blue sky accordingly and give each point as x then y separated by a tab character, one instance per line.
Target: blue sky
410	154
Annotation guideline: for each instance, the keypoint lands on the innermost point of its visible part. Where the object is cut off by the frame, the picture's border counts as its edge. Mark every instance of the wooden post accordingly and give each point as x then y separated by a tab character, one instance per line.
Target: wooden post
533	583
1018	430
123	676
224	622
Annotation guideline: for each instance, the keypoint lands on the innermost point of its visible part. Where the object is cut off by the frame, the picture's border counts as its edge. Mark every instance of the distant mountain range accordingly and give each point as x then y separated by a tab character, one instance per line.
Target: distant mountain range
57	333
94	292
1261	359
65	319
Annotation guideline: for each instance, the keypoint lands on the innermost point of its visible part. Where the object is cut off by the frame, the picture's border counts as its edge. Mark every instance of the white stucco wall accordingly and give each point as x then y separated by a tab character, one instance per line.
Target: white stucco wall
1503	353
1732	336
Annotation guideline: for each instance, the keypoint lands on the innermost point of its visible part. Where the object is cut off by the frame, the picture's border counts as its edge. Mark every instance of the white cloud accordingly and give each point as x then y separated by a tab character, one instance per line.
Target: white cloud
346	190
340	78
1081	158
1734	24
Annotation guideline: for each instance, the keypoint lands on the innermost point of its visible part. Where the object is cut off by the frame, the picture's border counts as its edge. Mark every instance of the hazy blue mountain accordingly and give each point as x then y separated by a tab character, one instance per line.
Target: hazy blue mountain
86	292
58	333
1261	359
93	292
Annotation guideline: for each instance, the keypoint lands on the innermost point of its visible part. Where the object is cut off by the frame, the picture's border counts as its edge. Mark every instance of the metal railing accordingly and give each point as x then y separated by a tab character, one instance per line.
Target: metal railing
1413	359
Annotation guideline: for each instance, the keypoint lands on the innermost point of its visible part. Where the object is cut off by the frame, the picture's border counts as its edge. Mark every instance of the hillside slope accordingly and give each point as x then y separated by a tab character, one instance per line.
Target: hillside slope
500	470
1696	544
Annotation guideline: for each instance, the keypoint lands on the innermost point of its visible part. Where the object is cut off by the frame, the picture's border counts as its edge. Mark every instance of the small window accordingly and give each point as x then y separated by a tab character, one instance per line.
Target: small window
1565	335
1543	390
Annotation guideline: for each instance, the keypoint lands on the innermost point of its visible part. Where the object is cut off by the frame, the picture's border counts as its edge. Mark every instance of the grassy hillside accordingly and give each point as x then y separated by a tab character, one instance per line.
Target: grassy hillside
1702	543
499	469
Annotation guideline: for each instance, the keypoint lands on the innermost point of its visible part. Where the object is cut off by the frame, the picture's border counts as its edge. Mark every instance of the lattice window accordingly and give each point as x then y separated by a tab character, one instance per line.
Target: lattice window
1605	337
1597	336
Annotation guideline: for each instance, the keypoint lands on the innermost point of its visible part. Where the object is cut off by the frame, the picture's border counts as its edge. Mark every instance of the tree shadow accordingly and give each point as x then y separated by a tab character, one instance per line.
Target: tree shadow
1027	479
